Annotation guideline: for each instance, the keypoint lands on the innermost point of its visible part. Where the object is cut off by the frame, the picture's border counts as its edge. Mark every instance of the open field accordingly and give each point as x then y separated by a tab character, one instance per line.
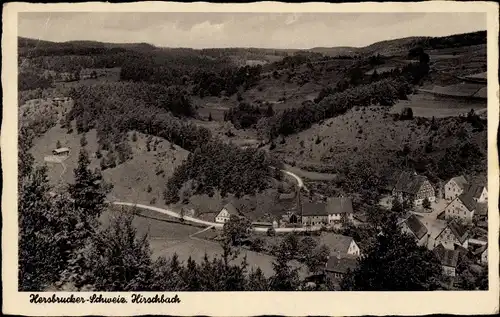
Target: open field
168	238
427	105
130	179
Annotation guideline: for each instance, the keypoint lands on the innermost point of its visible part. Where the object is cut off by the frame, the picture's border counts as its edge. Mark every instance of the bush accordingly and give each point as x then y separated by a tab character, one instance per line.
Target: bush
406	114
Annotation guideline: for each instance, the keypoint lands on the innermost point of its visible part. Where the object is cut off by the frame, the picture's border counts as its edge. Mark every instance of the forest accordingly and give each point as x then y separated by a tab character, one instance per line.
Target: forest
216	166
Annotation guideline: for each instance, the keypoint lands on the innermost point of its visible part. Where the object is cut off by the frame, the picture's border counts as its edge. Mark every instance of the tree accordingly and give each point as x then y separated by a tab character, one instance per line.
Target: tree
134	137
426	203
395	254
406	114
116	259
396	205
89	190
269	111
83	141
258	244
210	116
43	249
88	195
285	278
306	246
236	229
271	232
257	281
58	144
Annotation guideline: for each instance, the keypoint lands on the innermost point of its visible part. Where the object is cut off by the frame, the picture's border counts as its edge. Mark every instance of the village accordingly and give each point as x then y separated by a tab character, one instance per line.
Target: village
449	220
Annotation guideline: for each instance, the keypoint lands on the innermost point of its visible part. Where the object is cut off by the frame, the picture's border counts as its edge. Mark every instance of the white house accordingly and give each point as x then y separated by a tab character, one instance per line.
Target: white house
226	212
448	258
414	227
413	187
340	245
454	187
478	192
452	235
462	207
484	256
338	207
61	151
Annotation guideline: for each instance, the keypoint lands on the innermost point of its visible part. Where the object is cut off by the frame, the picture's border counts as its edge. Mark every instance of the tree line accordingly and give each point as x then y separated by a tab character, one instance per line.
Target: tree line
385	93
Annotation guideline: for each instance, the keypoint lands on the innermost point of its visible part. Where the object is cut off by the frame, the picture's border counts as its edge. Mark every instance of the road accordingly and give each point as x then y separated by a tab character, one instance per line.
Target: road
203	222
300	184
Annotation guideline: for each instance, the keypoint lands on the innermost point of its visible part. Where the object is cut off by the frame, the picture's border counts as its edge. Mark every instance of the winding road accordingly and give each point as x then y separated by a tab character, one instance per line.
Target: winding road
174	214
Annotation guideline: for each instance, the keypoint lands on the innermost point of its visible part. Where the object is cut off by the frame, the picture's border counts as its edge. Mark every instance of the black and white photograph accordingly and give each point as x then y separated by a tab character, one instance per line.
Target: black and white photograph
254	152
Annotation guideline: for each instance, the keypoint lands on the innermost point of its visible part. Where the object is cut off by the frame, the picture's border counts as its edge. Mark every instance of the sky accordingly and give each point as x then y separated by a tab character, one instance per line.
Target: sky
264	30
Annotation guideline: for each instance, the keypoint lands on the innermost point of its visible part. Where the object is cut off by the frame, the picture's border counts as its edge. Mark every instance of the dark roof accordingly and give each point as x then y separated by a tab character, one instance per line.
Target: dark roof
480	250
468	201
474	190
336	242
446	256
341	265
339	205
314	209
482	209
416	226
459	231
231	209
409	183
461	181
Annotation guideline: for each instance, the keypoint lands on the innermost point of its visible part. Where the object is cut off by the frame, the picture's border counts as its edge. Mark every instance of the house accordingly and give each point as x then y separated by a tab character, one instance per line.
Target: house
462	207
337	267
482	254
337	208
414	188
64	151
454	187
339	244
314	214
226	212
454	234
481	213
448	259
414	227
478	192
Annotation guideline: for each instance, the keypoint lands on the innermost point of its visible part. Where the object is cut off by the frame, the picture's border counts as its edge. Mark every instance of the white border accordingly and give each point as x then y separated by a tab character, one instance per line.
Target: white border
248	303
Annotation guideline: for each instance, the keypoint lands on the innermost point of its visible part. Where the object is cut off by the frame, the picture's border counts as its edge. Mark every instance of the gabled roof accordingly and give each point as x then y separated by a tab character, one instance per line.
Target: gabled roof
409	183
474	190
341	265
482	209
447	257
339	205
460	181
336	242
480	250
460	232
468	201
231	209
416	226
314	209
61	150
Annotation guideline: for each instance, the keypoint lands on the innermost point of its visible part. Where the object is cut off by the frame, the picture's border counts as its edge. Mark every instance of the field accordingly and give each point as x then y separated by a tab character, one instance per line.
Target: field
130	179
168	237
427	105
